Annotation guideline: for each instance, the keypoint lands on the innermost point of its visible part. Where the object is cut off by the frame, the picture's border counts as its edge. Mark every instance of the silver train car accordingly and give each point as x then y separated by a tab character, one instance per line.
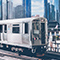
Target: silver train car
25	36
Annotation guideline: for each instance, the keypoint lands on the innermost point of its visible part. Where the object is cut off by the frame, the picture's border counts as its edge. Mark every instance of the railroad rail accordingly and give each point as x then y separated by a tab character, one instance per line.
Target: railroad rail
15	55
53	55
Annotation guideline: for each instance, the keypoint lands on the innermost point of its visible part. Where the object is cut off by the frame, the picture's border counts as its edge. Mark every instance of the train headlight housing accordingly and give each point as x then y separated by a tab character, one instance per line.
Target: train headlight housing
34	38
41	47
44	46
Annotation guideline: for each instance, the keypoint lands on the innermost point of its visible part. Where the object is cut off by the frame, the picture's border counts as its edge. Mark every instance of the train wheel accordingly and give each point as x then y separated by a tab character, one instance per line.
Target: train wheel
19	53
33	50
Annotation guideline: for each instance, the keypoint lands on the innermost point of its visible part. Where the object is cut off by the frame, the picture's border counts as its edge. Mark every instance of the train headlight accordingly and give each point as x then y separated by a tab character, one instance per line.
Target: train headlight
44	46
34	38
42	20
41	47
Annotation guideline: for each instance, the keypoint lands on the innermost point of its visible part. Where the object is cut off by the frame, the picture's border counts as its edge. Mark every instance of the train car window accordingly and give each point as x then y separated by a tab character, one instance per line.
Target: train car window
48	33
26	28
57	33
52	33
36	28
5	29
15	24
15	28
1	29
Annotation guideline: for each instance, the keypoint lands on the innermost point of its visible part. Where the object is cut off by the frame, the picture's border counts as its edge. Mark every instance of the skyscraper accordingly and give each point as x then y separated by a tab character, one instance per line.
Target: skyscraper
48	11
27	6
57	16
52	15
56	3
45	8
4	9
19	12
51	2
59	11
9	9
0	9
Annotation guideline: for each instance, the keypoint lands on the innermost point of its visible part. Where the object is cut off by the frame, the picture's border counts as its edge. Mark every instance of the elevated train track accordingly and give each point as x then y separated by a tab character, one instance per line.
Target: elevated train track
53	55
15	55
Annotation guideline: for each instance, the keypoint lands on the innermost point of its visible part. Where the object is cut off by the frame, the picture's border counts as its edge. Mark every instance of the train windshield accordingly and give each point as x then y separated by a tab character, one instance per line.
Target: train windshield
36	28
38	32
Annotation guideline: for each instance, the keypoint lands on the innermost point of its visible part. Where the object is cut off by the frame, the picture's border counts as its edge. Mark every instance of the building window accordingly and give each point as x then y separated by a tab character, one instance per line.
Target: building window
48	33
52	33
1	28
26	28
16	28
54	38
5	29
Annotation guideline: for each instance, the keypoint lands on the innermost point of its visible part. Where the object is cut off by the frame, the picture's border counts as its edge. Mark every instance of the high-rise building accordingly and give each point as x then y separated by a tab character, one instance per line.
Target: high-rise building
52	12
59	11
4	10
19	12
27	7
56	3
9	9
57	16
51	2
48	11
45	8
0	9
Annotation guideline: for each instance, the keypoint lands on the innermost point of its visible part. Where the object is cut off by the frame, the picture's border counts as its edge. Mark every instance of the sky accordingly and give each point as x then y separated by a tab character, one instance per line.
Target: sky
37	6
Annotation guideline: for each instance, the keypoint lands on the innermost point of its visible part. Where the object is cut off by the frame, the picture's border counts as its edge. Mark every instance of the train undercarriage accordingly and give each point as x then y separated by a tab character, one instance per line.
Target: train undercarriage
35	51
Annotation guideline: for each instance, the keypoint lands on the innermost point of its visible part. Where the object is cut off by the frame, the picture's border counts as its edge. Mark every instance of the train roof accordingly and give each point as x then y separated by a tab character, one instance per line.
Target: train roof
19	20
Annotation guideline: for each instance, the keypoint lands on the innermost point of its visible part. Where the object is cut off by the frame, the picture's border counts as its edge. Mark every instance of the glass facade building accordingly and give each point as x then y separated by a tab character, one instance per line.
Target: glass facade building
59	11
4	9
0	9
57	16
27	6
56	3
19	12
9	8
48	11
45	8
52	12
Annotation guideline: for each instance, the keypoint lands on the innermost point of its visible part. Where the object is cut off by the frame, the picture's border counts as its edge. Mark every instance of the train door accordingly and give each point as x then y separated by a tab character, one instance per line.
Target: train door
1	29
25	36
3	32
43	33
